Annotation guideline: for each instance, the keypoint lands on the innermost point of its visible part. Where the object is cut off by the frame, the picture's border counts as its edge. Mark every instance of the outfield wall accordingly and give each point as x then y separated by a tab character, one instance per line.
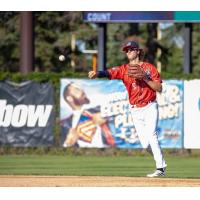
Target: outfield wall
102	119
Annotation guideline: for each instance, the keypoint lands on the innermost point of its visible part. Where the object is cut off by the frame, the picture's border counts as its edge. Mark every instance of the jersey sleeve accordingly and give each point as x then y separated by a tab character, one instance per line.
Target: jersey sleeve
116	72
155	75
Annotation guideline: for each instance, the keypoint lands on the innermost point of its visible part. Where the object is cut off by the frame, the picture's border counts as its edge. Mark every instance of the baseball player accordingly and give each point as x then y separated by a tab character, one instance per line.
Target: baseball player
142	81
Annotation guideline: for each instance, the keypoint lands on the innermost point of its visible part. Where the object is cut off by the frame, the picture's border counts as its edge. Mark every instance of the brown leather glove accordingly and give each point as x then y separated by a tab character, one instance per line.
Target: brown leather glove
136	72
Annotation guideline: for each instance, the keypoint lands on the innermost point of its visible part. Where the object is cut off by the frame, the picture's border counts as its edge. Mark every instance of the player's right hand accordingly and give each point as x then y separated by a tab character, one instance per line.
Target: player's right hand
92	74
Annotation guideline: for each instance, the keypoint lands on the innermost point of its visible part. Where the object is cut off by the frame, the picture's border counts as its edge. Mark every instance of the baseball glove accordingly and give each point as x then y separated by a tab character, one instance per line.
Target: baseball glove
136	72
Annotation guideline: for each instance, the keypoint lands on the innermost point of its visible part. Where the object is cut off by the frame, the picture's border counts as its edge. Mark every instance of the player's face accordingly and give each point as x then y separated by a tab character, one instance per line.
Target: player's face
78	95
132	53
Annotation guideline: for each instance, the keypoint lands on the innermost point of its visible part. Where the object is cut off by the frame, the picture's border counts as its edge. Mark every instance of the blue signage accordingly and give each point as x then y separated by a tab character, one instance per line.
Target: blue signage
141	16
125	16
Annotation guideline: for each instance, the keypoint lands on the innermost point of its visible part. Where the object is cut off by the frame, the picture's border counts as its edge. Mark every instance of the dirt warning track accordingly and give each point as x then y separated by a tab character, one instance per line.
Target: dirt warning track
96	181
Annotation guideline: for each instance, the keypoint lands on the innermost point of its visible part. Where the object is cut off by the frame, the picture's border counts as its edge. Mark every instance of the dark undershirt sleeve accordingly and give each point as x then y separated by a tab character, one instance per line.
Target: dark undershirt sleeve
103	74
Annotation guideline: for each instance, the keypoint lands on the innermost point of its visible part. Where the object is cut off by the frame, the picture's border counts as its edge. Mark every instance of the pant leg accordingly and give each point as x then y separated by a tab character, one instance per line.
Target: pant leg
145	121
151	120
139	123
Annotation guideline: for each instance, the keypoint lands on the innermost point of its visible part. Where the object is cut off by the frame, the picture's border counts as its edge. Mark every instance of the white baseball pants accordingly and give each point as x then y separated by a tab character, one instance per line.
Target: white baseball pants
145	121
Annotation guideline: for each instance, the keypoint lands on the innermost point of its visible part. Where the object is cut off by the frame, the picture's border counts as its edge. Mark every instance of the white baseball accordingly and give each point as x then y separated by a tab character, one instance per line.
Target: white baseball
61	58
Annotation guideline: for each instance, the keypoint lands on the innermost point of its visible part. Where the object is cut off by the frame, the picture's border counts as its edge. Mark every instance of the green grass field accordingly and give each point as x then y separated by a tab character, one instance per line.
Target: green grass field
135	166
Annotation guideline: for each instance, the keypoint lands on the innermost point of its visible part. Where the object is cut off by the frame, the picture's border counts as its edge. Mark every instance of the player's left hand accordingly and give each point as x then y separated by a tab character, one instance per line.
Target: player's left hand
136	72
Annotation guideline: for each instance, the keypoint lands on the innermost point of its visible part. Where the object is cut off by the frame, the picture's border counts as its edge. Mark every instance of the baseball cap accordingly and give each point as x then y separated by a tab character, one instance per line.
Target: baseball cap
131	44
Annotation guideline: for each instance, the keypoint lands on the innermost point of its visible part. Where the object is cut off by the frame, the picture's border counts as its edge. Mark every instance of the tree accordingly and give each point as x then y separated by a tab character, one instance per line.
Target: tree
9	41
172	40
195	48
53	33
116	35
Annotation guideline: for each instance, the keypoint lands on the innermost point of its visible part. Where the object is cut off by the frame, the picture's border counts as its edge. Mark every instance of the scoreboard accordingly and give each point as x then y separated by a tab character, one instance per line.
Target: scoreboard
141	16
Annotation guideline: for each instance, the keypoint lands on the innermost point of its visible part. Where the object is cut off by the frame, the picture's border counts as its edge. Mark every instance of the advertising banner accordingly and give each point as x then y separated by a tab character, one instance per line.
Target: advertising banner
26	114
191	114
170	104
95	113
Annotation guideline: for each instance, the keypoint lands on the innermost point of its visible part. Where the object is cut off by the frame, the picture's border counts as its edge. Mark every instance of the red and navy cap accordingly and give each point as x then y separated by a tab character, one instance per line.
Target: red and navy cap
132	45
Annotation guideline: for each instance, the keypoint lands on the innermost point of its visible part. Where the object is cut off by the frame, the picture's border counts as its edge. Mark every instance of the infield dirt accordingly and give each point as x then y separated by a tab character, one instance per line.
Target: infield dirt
93	181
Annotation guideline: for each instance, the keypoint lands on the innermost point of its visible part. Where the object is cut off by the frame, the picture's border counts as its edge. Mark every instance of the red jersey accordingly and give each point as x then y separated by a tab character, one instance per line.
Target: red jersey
140	93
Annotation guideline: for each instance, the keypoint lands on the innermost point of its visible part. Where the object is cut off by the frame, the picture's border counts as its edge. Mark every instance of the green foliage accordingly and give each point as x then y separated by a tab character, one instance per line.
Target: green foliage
9	41
172	58
54	78
196	49
178	76
51	77
53	35
117	33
